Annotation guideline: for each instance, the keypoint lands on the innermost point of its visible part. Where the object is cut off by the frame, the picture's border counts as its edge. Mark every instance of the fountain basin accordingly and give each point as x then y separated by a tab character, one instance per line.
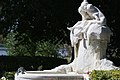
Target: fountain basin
46	75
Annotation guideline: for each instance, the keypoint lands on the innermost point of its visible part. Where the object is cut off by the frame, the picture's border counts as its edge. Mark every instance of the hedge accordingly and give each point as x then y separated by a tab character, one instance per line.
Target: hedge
105	75
11	63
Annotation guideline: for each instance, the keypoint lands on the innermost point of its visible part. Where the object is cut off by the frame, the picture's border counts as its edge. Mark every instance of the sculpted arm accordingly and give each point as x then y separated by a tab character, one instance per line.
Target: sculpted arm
77	25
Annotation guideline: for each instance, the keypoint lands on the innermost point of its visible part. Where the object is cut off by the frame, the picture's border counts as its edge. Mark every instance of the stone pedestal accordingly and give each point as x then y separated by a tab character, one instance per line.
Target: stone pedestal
39	75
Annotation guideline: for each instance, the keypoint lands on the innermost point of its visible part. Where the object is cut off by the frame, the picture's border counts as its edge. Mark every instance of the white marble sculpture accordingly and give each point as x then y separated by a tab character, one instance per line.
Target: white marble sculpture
89	37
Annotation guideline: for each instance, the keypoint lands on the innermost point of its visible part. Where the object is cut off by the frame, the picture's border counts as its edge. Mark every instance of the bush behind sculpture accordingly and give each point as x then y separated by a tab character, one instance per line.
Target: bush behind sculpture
41	48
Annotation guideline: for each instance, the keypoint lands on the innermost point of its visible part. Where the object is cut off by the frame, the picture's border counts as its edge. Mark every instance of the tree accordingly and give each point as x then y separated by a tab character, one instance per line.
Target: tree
30	18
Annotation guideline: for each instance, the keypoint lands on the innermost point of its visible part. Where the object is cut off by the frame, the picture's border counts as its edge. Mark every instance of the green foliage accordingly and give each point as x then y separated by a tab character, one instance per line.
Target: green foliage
13	48
38	19
48	48
10	42
105	75
9	75
30	48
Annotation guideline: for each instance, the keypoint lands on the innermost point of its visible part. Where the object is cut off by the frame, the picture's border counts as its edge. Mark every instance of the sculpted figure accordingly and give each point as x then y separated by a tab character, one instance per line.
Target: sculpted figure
89	37
92	28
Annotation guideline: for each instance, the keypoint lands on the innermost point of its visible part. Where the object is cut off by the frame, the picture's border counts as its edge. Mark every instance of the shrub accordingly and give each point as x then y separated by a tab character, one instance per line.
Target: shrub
105	75
9	75
48	48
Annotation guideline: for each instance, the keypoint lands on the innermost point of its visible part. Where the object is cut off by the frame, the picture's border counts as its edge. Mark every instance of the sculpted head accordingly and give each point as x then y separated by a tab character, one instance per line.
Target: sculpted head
83	7
83	10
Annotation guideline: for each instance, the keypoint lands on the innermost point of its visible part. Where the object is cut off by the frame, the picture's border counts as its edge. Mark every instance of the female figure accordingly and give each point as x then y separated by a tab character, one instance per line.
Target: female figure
89	37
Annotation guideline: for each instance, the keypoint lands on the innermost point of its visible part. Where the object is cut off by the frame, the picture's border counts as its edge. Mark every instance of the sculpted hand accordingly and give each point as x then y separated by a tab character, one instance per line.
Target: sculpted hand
70	28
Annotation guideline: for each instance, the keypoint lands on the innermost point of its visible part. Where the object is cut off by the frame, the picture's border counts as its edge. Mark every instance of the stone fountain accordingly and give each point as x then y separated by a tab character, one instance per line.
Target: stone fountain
89	37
